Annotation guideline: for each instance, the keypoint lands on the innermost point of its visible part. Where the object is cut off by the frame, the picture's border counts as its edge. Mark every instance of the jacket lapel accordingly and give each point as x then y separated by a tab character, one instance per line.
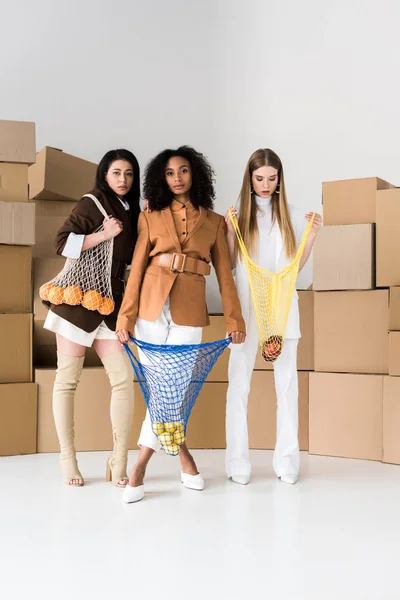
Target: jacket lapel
169	222
199	223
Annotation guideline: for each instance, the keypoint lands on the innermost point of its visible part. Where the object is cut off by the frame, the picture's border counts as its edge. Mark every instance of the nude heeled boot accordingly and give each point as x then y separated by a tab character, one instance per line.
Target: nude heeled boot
120	374
69	369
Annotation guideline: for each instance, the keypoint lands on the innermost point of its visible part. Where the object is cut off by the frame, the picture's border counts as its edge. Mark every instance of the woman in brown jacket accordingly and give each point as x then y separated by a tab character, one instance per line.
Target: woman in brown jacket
165	300
118	190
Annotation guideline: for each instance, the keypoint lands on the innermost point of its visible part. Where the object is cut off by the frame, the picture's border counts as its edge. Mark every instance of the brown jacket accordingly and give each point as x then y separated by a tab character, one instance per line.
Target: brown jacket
84	219
149	286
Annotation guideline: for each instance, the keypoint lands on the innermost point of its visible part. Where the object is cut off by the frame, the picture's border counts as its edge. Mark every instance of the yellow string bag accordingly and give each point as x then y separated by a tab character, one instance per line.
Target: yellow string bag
272	295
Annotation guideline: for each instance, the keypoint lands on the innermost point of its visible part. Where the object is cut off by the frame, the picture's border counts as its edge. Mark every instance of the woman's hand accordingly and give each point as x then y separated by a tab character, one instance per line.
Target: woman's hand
146	207
123	336
238	337
228	222
316	226
112	227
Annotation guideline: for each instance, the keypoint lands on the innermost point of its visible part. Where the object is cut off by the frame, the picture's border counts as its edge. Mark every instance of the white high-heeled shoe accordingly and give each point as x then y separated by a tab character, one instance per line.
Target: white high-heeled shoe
192	482
242	479
133	494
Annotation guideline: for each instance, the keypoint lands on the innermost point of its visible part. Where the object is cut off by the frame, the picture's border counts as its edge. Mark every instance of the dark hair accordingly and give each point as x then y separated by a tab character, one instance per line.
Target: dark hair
155	187
133	196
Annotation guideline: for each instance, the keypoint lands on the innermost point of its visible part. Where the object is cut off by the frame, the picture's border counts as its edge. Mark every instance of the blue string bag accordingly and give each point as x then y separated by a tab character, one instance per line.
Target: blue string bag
171	378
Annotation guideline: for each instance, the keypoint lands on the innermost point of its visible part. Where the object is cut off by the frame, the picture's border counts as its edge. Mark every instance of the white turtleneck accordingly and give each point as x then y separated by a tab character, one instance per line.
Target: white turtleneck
266	254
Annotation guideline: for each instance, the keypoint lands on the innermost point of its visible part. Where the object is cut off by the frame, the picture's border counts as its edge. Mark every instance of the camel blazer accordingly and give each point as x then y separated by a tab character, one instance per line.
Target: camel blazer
149	285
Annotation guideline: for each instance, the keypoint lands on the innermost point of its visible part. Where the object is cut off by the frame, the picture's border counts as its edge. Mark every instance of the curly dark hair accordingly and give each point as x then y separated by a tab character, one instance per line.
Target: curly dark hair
156	190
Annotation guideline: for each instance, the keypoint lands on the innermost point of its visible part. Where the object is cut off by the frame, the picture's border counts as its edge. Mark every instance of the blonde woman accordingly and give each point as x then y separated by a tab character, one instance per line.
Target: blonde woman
272	230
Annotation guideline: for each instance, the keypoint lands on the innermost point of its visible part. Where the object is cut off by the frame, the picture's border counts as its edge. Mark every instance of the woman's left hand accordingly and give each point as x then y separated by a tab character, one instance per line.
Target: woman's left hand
316	226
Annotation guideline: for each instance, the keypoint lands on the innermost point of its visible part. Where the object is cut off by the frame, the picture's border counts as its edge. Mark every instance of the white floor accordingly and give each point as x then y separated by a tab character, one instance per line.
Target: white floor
334	535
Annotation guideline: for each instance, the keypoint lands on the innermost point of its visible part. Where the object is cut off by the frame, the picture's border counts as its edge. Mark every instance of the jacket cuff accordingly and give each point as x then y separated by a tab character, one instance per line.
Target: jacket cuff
236	326
125	323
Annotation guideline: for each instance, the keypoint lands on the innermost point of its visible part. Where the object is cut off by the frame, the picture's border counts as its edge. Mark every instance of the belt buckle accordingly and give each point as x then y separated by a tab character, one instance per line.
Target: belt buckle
175	267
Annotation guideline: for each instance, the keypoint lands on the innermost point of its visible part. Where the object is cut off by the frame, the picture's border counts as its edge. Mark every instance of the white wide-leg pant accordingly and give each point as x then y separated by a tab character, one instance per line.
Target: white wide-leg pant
161	331
241	364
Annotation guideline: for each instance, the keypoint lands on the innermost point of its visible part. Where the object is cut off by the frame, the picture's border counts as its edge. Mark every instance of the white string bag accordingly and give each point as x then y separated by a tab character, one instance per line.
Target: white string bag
85	280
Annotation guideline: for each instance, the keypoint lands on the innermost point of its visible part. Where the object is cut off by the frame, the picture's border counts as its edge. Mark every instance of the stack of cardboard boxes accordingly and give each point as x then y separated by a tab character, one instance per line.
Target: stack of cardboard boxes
18	395
355	264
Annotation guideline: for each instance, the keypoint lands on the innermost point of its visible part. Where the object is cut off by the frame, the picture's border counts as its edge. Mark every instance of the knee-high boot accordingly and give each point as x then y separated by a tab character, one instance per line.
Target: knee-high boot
69	369
120	374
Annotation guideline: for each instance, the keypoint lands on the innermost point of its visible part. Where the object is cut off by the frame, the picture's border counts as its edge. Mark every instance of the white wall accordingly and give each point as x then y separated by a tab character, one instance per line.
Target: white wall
316	81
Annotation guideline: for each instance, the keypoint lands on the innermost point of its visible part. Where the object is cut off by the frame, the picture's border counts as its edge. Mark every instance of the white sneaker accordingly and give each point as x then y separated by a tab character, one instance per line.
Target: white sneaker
289	478
242	479
133	494
192	482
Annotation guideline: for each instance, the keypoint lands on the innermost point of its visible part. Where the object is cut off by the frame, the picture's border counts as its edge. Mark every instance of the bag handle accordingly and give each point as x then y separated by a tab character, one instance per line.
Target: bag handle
97	203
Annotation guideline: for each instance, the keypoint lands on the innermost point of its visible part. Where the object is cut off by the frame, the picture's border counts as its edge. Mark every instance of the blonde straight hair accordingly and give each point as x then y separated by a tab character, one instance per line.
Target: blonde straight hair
248	204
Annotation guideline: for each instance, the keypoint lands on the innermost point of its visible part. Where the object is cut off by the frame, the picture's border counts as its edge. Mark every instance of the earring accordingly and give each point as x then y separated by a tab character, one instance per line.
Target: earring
278	188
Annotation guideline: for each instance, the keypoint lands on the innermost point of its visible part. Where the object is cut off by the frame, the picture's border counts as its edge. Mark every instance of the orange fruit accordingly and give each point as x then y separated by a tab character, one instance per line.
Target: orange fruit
92	300
44	291
73	295
107	306
56	295
272	348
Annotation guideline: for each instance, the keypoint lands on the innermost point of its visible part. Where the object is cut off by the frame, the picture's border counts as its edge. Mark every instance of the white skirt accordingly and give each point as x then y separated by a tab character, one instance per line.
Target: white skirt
74	334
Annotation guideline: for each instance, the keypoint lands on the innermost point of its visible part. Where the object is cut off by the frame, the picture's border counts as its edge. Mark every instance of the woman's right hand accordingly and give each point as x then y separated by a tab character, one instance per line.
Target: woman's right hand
228	222
123	336
112	227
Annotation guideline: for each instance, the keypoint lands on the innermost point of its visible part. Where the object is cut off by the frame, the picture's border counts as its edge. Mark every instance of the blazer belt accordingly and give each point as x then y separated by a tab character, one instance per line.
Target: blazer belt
181	263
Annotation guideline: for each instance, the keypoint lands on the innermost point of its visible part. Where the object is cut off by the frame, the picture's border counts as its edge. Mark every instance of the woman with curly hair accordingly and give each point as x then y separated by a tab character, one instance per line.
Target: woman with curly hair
165	299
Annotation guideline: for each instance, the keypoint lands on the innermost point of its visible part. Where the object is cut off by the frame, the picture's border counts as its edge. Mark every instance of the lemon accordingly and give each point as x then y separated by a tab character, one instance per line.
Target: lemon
158	428
172	449
170	427
179	437
179	427
166	438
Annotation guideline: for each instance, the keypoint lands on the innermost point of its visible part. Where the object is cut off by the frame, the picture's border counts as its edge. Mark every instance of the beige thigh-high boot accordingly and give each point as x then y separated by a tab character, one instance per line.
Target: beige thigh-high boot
69	369
120	374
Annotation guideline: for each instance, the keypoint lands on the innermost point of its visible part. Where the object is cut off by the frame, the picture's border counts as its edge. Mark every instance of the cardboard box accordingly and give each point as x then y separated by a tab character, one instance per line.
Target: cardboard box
46	231
206	426
262	411
305	352
391	420
344	258
17	142
16	348
60	176
13	183
16	279
388	238
394	309
18	418
92	412
17	223
44	269
53	208
351	332
346	415
352	201
394	353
